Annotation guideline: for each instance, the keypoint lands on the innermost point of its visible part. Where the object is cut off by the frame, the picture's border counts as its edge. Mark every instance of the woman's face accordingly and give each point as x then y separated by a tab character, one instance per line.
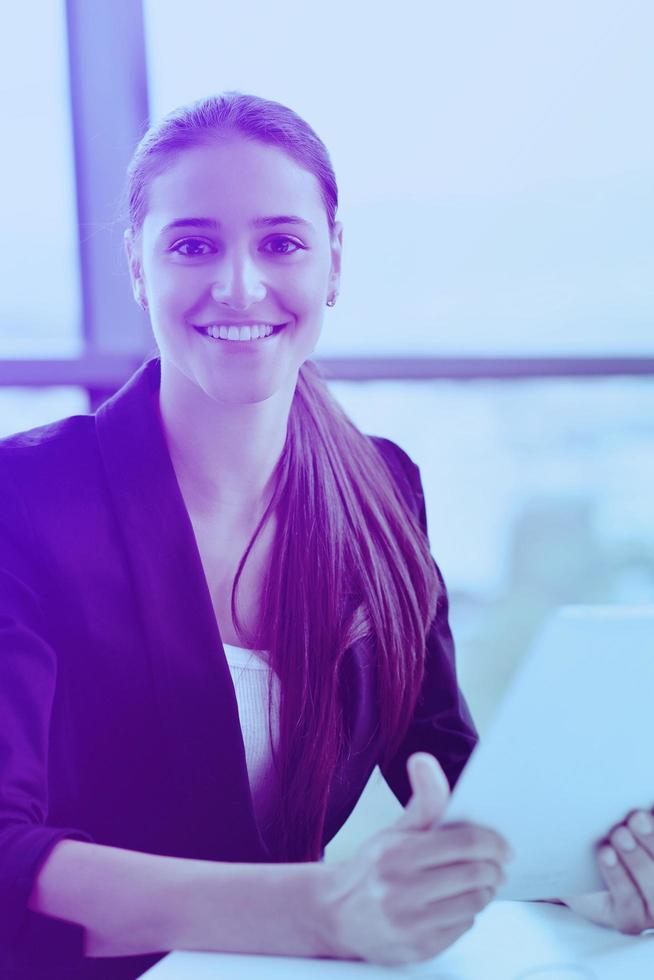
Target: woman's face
235	235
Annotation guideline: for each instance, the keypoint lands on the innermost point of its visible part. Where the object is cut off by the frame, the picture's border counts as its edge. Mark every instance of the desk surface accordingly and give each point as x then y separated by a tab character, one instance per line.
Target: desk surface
509	941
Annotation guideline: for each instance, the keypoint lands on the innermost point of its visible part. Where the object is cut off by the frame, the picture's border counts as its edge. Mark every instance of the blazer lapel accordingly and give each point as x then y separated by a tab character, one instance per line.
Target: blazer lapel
198	718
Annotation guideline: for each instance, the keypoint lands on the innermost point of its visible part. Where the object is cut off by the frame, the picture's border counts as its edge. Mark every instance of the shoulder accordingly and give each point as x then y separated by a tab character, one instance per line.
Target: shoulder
403	470
60	431
46	452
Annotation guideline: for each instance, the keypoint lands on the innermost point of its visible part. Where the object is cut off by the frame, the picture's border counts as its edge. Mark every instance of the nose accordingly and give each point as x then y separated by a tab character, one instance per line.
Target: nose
239	283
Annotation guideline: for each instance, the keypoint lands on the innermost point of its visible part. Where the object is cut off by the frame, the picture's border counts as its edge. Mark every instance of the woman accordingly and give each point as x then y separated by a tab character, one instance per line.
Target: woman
221	511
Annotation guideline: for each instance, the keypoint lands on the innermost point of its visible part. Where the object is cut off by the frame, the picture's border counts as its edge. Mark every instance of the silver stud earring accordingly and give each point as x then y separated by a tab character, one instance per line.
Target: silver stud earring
332	299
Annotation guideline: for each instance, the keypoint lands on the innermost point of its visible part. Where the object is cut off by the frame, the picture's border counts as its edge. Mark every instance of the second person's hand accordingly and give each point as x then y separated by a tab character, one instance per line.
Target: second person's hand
625	859
416	886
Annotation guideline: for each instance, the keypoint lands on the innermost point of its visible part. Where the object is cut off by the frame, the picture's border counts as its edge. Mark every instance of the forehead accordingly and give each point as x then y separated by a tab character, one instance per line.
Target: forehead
234	180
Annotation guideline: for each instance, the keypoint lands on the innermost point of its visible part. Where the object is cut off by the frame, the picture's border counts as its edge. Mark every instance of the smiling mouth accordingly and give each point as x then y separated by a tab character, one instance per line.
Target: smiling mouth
232	334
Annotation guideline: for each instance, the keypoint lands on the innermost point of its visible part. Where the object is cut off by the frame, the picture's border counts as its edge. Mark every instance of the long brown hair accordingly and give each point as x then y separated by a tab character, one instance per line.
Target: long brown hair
349	560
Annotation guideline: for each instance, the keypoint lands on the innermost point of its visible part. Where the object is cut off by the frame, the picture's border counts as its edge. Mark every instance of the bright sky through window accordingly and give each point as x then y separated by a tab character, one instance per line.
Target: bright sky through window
40	300
495	160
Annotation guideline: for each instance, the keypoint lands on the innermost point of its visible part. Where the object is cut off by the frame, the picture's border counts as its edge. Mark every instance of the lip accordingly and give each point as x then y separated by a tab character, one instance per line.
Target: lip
237	323
242	344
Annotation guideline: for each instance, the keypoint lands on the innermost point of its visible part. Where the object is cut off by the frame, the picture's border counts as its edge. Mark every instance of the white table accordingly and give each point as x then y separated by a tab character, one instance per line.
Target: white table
509	941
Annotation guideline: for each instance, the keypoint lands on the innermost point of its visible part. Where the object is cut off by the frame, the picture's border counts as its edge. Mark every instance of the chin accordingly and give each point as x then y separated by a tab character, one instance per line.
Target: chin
242	391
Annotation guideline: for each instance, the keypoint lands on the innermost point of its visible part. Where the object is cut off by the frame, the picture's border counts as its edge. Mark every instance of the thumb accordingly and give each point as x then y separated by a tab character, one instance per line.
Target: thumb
431	792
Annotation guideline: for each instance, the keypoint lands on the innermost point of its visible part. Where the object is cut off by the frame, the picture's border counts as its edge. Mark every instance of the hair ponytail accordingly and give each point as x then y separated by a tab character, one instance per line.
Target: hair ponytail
349	562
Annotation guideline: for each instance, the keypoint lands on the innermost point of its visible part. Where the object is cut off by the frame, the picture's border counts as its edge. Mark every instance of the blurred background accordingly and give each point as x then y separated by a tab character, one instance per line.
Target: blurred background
496	310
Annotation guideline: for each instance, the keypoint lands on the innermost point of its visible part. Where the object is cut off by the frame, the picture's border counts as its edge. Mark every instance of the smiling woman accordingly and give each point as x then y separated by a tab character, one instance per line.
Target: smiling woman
252	265
248	423
149	800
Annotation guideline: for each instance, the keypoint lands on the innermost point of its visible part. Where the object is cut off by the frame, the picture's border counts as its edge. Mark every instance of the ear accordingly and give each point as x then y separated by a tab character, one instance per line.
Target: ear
135	268
336	250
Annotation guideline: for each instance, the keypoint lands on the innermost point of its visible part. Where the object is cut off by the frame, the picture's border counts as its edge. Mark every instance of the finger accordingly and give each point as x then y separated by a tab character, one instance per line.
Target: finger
641	825
410	853
628	908
451	880
434	941
639	864
452	843
596	906
430	793
451	911
446	937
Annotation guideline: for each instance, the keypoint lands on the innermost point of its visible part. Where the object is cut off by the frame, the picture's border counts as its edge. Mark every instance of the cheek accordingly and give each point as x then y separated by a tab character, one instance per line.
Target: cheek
304	294
174	291
170	284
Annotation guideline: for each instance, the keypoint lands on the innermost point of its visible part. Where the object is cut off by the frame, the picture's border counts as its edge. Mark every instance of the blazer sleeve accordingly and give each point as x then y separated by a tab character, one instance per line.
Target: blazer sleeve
441	723
28	671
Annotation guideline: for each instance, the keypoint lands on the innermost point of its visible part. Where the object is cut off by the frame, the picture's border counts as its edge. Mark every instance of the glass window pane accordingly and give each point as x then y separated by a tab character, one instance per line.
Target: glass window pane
39	300
25	408
495	170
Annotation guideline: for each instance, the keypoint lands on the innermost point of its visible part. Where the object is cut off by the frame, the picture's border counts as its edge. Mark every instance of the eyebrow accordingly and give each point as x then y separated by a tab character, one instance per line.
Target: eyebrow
268	221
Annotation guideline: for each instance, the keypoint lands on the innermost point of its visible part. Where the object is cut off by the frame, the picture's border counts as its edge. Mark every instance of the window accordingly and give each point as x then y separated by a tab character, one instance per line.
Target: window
495	170
40	299
25	408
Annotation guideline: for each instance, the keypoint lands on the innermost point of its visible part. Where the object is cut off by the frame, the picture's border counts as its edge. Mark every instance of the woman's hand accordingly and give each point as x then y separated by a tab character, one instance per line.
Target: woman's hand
416	886
626	862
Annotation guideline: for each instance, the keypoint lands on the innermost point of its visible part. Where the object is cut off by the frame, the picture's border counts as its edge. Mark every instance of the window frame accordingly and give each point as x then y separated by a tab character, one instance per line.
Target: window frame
115	334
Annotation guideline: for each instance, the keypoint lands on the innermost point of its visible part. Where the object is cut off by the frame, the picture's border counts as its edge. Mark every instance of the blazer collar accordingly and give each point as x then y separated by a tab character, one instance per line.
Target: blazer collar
193	686
197	702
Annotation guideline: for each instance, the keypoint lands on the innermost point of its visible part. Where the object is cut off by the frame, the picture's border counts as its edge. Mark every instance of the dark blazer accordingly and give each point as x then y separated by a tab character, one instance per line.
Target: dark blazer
118	718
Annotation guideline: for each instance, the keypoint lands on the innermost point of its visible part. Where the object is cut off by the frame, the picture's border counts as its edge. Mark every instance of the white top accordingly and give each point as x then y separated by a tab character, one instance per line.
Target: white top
250	674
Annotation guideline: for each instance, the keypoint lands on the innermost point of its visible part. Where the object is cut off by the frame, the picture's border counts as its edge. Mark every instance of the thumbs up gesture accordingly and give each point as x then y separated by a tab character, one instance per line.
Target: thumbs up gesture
431	793
416	886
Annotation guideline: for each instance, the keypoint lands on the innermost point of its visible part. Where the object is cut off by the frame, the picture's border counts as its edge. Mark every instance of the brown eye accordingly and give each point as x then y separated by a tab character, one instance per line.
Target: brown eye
194	244
281	245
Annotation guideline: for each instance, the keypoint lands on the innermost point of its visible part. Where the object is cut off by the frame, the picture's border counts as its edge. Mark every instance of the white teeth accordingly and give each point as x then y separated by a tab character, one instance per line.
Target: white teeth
255	332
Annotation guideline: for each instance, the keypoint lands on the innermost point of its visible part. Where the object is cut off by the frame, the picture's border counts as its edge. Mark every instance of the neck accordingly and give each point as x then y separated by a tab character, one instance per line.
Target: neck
224	455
